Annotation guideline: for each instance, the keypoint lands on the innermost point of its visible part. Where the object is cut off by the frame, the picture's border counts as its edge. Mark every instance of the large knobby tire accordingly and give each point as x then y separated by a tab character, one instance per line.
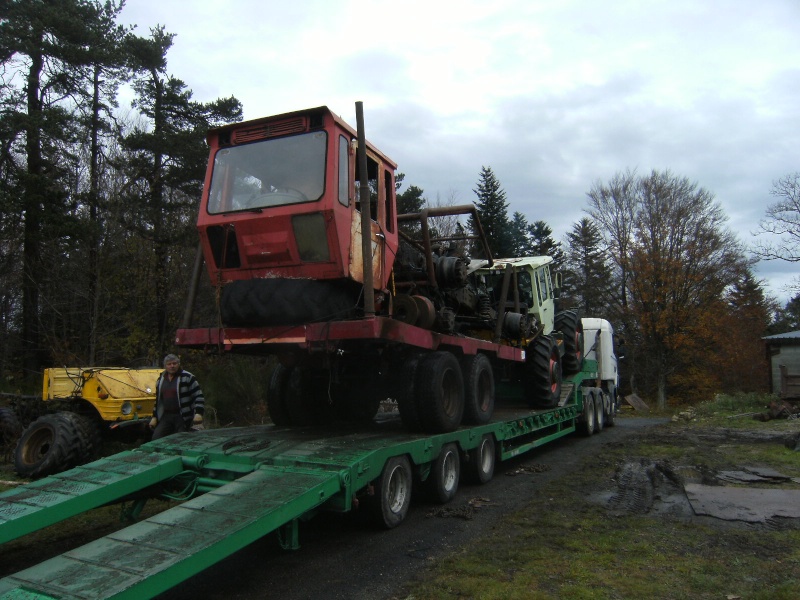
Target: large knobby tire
478	389
278	301
10	428
570	326
586	421
51	444
393	491
276	395
481	461
405	393
442	483
440	392
543	373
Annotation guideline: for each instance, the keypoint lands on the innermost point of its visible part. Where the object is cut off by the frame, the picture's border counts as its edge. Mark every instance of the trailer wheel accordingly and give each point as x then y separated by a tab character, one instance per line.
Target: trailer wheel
440	392
442	483
587	418
569	324
405	394
543	373
276	395
394	489
478	389
49	445
481	461
10	428
599	412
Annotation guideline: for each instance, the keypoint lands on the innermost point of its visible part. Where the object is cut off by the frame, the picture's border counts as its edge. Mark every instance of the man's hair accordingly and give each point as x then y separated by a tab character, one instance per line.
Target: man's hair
171	358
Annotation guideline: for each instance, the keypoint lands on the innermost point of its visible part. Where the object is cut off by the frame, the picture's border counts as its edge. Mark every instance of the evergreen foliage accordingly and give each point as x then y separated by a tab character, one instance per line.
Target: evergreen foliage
492	209
96	236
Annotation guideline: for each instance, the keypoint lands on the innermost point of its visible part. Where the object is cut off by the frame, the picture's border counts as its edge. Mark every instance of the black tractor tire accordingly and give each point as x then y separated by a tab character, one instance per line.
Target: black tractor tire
442	482
481	461
277	301
440	392
10	428
570	326
478	389
276	396
89	436
405	393
51	444
392	493
543	373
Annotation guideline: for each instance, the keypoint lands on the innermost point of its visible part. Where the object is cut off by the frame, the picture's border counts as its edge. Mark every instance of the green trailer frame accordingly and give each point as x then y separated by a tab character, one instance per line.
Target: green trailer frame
239	485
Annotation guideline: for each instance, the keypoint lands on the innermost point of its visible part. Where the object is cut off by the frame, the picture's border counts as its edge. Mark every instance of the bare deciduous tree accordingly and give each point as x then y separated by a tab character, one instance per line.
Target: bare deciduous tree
782	223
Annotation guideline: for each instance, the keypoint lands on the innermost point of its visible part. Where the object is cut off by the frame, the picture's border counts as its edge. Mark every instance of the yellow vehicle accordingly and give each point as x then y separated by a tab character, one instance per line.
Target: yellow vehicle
79	405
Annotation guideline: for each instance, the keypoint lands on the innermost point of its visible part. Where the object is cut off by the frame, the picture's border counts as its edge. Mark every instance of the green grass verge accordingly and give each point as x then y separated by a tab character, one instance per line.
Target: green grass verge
567	546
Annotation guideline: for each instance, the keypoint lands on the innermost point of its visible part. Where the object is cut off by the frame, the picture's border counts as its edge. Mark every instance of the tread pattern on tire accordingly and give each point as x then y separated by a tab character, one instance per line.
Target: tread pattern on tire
477	370
62	443
569	324
435	371
538	378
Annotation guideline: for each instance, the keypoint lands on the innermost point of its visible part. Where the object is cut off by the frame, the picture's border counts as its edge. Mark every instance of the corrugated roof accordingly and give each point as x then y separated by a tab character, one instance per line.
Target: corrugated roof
789	335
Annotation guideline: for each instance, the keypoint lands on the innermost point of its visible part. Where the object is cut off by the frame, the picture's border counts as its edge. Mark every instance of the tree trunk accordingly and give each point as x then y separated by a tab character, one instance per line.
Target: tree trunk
33	203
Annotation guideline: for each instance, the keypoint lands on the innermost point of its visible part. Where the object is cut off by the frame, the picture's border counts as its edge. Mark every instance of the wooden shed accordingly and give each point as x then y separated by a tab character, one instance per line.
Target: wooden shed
783	353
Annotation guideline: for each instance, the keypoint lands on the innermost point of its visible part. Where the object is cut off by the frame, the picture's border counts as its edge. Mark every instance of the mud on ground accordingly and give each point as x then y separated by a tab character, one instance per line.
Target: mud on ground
707	482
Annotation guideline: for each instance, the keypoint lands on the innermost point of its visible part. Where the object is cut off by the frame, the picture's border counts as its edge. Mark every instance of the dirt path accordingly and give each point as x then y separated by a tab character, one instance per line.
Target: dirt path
342	558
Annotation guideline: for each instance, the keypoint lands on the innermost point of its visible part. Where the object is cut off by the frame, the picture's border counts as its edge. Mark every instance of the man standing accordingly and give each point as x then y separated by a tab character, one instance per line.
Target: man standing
179	400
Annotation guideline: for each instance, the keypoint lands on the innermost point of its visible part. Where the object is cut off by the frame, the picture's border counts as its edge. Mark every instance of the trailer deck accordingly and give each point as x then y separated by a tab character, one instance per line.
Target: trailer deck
238	484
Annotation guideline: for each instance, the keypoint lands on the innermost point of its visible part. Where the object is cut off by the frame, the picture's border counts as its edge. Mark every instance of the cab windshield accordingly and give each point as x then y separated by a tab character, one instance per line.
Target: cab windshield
268	173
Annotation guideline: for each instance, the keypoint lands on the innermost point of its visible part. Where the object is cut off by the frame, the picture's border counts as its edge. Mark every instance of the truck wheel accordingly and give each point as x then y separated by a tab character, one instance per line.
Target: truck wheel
394	489
586	419
442	483
276	395
481	461
49	445
599	412
612	411
478	389
10	428
440	392
405	394
569	324
543	373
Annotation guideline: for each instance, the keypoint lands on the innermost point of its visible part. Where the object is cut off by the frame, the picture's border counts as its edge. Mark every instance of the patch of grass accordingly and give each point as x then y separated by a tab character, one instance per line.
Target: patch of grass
565	546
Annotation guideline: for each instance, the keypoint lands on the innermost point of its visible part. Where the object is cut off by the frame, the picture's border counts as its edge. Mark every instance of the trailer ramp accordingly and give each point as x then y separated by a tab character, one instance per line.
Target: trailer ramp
41	503
152	556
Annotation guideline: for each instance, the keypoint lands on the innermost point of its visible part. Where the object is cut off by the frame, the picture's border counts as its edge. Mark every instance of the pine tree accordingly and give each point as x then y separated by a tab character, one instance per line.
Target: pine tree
46	44
165	166
493	212
543	244
588	278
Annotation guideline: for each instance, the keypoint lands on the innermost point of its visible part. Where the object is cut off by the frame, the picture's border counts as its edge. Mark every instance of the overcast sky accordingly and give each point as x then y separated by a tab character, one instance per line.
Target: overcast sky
552	95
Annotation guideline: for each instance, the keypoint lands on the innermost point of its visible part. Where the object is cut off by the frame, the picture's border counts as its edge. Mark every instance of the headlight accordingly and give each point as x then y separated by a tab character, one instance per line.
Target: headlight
127	408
